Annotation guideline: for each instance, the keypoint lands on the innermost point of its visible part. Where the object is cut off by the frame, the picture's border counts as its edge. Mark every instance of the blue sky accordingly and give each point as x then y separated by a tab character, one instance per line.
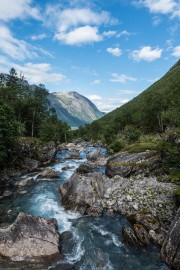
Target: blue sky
107	50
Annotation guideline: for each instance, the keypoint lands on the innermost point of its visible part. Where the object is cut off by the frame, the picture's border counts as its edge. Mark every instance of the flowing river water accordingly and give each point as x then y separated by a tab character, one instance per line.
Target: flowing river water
95	243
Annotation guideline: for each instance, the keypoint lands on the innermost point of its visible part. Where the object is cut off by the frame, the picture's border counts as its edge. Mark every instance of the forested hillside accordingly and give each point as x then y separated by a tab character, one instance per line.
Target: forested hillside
25	112
154	110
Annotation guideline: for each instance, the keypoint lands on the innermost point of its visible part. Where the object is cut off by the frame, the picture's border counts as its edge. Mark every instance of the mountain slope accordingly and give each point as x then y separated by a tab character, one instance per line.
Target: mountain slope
153	110
74	108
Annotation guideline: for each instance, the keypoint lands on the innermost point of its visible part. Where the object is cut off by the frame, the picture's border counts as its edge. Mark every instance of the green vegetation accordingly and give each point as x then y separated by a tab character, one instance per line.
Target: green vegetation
25	111
150	121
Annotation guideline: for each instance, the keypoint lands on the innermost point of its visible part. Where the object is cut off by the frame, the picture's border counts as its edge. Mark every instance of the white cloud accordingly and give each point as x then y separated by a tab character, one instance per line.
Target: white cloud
176	51
147	53
76	26
124	33
126	92
34	73
18	9
114	51
95	82
108	104
38	37
16	49
122	78
153	80
109	33
168	7
79	36
39	73
156	20
94	98
74	17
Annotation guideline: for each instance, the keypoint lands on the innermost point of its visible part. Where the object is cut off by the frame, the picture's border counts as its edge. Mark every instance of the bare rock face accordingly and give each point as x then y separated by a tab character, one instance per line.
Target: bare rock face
170	251
29	238
126	164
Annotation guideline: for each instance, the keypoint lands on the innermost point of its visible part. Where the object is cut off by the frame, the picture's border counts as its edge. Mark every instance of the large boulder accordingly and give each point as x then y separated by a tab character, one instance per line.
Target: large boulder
93	156
126	164
84	168
83	193
48	174
30	239
170	251
47	152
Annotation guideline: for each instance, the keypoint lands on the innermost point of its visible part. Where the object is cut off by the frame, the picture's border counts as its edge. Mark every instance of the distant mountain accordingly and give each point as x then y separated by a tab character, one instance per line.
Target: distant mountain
74	108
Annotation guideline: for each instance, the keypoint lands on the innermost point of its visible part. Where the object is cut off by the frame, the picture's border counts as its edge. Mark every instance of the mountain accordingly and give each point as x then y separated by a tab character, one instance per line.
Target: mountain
154	110
74	108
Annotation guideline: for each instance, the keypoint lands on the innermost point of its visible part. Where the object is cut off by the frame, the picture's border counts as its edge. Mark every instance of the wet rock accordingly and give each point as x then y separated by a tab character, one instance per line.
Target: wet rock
7	193
53	222
30	239
84	168
93	156
170	251
129	237
24	182
48	173
126	164
73	156
82	191
67	168
22	192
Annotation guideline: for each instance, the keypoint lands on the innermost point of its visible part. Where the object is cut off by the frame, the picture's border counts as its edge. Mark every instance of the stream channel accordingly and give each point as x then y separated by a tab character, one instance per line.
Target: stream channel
96	242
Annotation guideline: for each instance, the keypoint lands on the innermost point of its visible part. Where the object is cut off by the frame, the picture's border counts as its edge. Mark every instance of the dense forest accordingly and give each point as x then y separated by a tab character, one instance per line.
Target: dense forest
25	111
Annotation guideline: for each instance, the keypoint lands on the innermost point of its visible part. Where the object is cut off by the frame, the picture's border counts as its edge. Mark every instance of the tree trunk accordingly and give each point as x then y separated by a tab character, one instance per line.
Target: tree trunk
32	127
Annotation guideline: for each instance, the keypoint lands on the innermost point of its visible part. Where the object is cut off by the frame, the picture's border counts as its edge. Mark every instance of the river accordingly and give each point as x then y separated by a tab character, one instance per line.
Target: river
95	243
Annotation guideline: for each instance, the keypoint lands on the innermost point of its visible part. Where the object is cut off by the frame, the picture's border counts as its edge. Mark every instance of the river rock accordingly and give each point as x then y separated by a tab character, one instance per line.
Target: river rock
129	238
30	239
74	156
31	164
82	192
47	173
24	182
170	251
84	168
47	152
151	224
93	156
126	164
7	193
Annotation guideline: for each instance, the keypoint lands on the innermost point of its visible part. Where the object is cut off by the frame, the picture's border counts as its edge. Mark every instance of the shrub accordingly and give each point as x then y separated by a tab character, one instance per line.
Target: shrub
116	146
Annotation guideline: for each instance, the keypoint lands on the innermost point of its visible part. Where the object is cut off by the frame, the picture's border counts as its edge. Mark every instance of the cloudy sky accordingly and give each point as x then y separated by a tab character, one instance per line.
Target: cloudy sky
107	50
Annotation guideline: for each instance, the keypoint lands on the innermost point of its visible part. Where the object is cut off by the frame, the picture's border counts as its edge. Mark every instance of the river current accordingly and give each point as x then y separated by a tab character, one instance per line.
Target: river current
95	242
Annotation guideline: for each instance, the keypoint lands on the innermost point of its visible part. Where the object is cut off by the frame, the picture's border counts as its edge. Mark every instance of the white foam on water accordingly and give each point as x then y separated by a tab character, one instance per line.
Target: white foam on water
78	249
103	232
46	205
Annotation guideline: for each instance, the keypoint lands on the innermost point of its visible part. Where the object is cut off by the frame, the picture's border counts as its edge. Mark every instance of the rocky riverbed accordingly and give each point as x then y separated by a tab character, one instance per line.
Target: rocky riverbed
130	188
102	238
